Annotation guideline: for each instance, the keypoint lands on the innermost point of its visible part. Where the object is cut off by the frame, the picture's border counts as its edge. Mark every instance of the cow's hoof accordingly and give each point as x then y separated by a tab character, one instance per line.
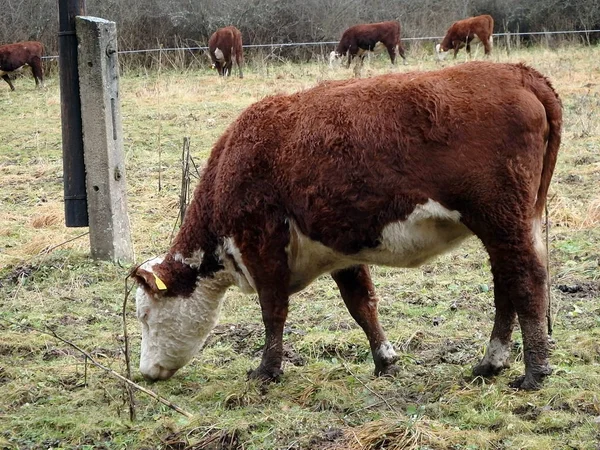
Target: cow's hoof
487	370
525	383
388	371
531	381
265	375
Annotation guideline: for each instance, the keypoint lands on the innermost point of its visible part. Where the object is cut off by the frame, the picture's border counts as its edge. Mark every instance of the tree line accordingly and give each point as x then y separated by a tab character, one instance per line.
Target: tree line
149	23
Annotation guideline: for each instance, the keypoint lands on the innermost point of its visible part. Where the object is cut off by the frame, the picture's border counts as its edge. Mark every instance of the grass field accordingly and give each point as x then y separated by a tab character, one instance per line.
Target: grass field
438	316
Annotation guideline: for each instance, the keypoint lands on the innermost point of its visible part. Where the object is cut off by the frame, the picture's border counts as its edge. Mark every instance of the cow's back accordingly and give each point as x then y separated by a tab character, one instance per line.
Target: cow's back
346	158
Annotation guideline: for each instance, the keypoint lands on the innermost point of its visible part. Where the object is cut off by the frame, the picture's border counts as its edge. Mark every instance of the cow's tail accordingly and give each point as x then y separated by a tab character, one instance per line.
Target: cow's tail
546	94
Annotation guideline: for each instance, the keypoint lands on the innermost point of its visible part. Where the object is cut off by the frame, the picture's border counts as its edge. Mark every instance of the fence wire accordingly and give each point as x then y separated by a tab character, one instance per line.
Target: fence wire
307	44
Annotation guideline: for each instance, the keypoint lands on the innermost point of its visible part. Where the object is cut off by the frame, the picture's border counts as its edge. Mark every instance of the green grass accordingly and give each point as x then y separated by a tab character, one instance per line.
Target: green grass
438	316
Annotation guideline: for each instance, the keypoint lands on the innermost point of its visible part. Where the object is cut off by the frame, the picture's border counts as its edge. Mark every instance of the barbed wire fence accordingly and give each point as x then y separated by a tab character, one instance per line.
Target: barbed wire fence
327	43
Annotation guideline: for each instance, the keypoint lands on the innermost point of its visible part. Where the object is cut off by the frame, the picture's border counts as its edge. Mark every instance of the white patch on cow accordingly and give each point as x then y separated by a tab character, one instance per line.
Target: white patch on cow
243	280
386	351
496	355
219	55
193	261
174	328
538	240
428	231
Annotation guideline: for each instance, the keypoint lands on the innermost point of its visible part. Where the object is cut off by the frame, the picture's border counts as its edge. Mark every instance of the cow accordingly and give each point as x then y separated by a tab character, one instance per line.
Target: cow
224	46
360	39
14	56
391	170
462	32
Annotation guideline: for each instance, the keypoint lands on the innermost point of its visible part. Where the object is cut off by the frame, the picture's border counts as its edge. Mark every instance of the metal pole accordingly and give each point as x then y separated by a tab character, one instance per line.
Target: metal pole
76	214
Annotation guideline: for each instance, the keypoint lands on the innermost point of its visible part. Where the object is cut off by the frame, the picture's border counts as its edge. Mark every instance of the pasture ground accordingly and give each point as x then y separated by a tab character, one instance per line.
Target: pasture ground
438	316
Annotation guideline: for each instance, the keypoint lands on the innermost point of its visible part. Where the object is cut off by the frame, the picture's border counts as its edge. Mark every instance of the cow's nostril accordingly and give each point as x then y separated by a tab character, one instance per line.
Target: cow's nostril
157	373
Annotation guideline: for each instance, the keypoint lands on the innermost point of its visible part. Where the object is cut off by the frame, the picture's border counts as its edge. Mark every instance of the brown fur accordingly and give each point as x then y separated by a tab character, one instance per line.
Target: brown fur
229	41
462	32
15	56
347	158
366	36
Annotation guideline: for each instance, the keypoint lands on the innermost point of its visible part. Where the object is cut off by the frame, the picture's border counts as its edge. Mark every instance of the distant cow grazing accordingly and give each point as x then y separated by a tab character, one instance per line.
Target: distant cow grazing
391	170
14	56
462	32
360	39
224	46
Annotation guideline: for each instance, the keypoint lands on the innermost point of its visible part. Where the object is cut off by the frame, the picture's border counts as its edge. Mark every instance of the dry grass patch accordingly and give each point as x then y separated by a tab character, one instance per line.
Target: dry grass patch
439	316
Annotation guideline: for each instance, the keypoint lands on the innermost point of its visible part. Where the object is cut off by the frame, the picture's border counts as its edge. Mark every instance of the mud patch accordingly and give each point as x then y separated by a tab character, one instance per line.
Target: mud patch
245	339
56	353
249	339
585	289
217	440
20	273
528	412
449	352
327	437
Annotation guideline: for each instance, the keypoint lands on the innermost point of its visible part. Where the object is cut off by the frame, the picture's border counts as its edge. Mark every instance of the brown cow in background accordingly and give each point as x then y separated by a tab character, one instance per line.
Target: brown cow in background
224	45
462	32
14	56
360	39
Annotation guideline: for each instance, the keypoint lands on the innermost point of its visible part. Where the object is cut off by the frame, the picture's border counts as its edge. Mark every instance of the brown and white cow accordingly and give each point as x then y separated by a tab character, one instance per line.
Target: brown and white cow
360	39
391	170
14	56
224	46
462	32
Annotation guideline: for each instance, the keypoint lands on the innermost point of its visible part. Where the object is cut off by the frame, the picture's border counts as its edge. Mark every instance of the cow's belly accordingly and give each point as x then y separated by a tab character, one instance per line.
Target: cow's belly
6	72
430	230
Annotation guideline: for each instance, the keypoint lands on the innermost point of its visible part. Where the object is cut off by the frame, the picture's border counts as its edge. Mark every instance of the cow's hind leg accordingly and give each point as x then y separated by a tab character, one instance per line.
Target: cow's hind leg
497	354
520	286
487	45
7	79
38	74
359	295
392	50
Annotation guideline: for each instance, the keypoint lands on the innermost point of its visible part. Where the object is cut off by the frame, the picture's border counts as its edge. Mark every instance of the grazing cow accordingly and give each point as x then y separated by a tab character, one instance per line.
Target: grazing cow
14	56
360	39
462	32
224	45
390	170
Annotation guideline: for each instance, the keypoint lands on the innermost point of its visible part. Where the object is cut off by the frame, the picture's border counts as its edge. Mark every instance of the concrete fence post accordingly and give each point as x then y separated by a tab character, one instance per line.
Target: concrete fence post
110	236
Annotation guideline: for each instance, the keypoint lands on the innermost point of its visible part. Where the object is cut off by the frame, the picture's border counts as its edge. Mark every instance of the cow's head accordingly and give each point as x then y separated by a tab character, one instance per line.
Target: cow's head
333	57
441	52
178	306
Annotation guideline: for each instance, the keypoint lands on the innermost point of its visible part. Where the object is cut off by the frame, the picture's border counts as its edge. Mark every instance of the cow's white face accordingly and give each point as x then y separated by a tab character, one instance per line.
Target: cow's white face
333	57
440	53
173	328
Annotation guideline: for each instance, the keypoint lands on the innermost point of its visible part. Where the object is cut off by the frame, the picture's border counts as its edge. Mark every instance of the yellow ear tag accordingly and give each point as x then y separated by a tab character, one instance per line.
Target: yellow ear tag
159	283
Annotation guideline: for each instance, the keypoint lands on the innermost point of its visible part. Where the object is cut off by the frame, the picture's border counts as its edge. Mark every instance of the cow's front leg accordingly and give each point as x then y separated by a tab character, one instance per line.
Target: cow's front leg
274	305
267	261
6	78
358	293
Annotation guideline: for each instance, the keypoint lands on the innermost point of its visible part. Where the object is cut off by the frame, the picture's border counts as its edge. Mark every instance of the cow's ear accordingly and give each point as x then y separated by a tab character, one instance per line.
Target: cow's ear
150	280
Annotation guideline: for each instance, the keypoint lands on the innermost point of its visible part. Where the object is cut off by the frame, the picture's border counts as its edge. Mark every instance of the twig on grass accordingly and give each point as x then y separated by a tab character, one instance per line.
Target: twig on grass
376	394
130	395
108	370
